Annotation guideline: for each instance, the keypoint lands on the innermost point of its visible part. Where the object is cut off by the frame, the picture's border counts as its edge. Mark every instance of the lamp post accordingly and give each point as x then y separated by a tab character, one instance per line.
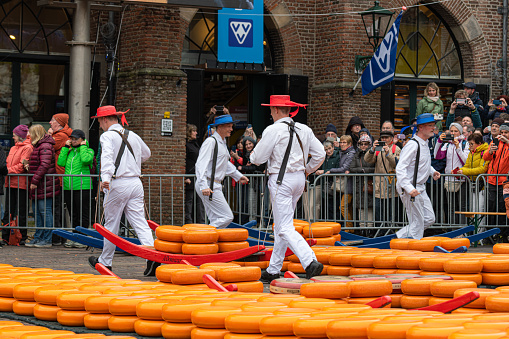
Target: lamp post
376	23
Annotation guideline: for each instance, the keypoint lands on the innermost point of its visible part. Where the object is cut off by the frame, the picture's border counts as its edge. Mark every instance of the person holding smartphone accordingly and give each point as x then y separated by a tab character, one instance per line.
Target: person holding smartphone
494	130
463	106
497	106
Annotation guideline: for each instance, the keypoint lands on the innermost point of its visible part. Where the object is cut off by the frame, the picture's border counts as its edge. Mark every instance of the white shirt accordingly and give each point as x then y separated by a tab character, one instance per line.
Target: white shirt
223	166
272	147
110	145
406	165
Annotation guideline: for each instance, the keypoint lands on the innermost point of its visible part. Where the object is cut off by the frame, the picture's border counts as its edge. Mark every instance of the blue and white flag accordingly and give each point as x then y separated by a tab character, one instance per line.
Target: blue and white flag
382	66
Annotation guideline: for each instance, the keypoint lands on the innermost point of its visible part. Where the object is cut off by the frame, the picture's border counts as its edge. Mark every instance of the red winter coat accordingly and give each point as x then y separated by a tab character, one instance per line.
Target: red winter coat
42	162
18	152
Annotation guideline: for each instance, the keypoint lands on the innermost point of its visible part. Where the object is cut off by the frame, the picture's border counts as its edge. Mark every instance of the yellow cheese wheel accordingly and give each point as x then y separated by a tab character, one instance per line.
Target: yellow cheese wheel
471	333
501	249
495	264
208	333
385	261
7	286
168	246
363	260
170	233
393	329
420	286
463	266
245	322
199	249
212	316
452	244
122	323
414	301
6	304
232	246
316	303
49	334
249	286
477	278
324	241
336	227
424	245
312	327
446	288
186	277
408	262
433	264
151	309
280	325
232	234
495	279
343	258
483	293
432	331
23	307
369	288
18	331
400	244
96	321
74	300
125	305
205	236
148	328
163	272
497	302
332	290
317	232
350	327
180	311
46	312
339	270
239	274
71	317
171	330
26	291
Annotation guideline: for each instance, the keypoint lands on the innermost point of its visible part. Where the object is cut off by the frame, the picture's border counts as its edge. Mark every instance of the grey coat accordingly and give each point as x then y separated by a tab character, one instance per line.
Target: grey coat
345	160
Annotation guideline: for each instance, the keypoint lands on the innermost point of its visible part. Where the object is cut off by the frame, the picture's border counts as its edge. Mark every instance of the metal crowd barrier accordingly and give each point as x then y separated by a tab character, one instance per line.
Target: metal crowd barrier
346	198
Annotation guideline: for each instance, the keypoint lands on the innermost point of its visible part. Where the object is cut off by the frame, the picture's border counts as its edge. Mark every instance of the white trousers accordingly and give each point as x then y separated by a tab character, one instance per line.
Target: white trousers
420	216
218	211
125	196
284	199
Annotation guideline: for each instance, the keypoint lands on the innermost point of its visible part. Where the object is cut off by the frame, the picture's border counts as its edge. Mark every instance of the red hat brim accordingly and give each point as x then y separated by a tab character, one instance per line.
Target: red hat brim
290	104
109	114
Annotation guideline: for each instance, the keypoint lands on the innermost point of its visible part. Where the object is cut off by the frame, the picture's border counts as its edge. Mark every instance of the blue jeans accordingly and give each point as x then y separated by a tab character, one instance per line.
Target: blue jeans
42	210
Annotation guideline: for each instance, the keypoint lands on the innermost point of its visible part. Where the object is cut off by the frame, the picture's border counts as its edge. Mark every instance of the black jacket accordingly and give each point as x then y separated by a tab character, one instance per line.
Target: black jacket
192	151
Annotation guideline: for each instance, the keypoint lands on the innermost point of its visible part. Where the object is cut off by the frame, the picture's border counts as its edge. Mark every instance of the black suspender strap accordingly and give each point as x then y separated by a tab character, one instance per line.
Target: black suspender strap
416	169
214	163
121	150
282	170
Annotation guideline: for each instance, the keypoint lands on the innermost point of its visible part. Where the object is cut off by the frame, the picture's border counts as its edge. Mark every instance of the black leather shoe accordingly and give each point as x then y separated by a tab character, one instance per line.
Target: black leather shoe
92	261
150	271
314	269
3	243
267	277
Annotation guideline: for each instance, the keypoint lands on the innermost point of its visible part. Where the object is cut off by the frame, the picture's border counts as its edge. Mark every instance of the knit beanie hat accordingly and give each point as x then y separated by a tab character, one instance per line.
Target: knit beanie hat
504	127
62	119
21	131
364	138
458	126
331	128
497	121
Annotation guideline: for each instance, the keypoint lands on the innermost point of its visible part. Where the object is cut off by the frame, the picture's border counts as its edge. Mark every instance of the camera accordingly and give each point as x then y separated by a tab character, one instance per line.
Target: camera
401	136
448	137
460	101
380	146
497	102
496	141
331	139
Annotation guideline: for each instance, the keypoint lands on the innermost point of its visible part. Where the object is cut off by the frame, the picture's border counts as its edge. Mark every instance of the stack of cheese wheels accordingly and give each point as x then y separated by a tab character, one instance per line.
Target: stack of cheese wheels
24	295
428	244
177	316
464	267
150	312
232	239
364	290
189	239
495	270
123	311
99	312
246	278
210	320
416	292
72	304
298	224
443	290
325	233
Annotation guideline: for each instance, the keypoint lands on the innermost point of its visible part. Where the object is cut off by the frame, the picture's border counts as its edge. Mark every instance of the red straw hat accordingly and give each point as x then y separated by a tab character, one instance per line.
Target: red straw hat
106	111
284	101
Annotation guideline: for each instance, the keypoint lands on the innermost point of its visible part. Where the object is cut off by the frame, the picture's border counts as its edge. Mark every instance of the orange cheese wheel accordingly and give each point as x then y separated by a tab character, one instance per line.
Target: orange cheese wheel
323	256
386	329
151	309
265	306
502	316
261	264
168	246
332	290
503	289
170	233
385	261
495	264
74	300
18	331
361	270
198	226
452	244
248	286
409	272
198	249
432	331
370	288
408	262
71	318
23	307
9	323
383	271
300	222
99	303
317	232
312	327
414	301
125	305
395	300
7	286
446	288
316	303
470	311
477	278
239	274
233	302
219	264
495	279
163	272
280	298
339	270
486	324
122	323
351	327
324	241
484	333
212	316
424	245
363	260
232	234
180	311
501	249
483	293
208	333
148	328
400	244
343	258
280	324
6	304
463	266
336	227
95	278
232	246
94	335
434	264
204	236
46	312
497	302
231	335
49	334
420	286
185	277
96	321
171	330
245	322
449	319
26	291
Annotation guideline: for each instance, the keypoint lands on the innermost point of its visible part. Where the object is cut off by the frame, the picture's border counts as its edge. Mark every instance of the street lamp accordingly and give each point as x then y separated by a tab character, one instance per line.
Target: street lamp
376	23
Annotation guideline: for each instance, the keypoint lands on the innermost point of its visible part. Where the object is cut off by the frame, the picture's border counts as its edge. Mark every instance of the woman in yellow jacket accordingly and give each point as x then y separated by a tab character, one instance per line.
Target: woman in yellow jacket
476	165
